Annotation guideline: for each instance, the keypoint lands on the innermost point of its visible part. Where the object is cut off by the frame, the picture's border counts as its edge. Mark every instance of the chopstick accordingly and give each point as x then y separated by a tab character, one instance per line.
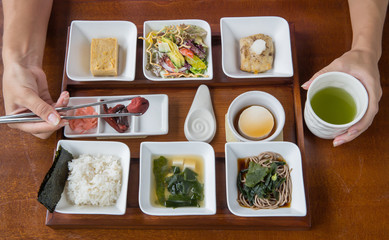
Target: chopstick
37	119
32	117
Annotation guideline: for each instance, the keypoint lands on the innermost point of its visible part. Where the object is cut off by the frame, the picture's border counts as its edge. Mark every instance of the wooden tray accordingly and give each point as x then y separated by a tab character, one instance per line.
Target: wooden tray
181	94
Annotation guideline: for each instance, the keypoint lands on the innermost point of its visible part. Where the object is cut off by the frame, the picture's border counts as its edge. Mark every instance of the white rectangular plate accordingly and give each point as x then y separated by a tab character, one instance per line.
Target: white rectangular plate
121	150
158	25
80	38
155	121
290	152
232	29
148	150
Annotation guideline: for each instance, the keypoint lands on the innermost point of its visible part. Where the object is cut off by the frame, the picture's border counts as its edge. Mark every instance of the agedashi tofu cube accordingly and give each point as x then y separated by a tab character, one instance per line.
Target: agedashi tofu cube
190	163
104	57
178	162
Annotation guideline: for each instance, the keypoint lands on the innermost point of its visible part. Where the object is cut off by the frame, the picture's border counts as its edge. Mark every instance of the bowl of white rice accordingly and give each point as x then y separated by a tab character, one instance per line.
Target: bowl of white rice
98	178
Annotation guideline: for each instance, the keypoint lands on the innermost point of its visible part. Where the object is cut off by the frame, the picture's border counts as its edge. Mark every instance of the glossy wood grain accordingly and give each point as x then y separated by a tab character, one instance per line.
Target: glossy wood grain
348	185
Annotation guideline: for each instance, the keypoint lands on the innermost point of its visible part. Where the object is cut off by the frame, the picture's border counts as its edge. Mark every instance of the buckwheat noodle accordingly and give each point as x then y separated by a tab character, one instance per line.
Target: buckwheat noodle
285	190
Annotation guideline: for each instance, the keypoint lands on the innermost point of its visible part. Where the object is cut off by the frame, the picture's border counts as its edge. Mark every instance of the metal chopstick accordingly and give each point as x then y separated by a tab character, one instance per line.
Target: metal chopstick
37	119
60	109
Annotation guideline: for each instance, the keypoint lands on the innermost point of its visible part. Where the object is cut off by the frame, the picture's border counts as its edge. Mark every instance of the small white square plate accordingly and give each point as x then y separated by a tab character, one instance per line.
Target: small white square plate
290	152
151	150
234	28
78	57
155	121
121	150
158	25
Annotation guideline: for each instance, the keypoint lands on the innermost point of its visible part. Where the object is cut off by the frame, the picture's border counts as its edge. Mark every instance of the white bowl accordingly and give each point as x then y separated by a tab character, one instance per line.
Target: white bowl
118	149
151	150
290	152
232	29
155	121
158	25
261	99
78	57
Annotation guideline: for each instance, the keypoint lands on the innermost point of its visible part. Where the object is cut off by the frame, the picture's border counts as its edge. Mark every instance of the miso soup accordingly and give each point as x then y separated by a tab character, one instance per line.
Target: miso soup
166	183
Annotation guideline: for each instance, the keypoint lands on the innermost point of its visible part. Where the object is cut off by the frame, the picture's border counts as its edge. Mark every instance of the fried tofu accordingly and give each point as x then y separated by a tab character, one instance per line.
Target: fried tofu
256	53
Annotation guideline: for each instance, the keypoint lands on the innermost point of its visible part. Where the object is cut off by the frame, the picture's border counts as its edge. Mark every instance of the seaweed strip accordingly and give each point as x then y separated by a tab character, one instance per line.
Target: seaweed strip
54	182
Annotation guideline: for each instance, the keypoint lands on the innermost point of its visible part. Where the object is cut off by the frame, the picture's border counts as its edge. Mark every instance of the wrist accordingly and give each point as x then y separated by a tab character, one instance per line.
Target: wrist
367	45
23	58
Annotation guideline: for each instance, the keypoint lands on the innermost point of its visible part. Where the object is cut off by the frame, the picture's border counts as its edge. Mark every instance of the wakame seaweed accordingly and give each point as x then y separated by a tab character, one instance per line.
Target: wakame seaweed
261	181
160	170
183	186
54	182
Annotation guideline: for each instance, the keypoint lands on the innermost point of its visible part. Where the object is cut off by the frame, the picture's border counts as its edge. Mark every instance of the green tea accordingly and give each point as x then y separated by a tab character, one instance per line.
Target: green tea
334	105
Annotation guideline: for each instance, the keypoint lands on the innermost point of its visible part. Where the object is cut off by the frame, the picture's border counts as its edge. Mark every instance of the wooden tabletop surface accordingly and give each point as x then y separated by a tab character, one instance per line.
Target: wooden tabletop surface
348	190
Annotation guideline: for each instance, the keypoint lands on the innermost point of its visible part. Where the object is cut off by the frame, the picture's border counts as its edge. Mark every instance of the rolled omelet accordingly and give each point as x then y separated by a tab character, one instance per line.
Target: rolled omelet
256	53
104	57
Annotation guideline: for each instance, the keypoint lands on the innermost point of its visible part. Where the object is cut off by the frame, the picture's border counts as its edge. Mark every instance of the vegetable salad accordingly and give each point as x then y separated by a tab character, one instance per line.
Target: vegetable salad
177	51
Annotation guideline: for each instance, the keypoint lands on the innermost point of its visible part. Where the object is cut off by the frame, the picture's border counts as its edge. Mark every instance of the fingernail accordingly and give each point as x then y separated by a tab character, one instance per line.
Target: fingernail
65	98
352	132
304	85
53	119
339	142
63	124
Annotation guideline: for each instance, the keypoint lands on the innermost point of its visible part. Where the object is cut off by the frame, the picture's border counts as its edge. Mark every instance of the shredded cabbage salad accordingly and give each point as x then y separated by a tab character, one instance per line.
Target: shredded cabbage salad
177	51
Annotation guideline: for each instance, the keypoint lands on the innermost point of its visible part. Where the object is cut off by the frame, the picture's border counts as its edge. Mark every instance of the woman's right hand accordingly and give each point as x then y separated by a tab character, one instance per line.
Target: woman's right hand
25	88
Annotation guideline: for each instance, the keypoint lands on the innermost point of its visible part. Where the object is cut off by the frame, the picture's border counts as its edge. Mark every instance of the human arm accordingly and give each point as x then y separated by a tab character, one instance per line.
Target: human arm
367	20
24	82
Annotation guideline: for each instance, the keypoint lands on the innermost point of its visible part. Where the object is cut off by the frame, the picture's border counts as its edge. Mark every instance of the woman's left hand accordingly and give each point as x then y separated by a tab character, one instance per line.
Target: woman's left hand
363	66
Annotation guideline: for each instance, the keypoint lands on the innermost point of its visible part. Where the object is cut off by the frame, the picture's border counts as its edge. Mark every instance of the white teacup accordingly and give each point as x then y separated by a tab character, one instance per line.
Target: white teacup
353	86
256	98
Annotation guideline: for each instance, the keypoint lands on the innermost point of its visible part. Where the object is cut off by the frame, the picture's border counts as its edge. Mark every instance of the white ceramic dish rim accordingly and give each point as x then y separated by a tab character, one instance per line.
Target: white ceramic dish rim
164	102
132	56
209	180
209	71
121	203
252	75
261	147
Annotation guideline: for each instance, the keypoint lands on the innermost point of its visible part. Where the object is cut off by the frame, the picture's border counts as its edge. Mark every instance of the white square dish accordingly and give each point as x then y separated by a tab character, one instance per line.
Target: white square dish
158	25
80	38
155	121
118	149
290	152
151	150
232	29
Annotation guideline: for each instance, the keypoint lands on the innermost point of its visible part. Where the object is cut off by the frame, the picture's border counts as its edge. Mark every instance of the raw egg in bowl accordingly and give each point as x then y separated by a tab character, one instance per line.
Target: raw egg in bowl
256	116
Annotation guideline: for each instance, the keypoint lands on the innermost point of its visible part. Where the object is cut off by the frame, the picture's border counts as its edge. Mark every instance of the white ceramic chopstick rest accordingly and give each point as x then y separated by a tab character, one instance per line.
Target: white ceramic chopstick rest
200	123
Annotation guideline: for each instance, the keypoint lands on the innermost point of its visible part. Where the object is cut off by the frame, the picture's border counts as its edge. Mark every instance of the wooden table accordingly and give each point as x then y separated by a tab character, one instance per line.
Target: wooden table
348	185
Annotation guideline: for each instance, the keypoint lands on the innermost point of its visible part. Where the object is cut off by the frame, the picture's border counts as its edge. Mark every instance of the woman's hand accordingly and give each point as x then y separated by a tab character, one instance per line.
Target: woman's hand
25	88
364	66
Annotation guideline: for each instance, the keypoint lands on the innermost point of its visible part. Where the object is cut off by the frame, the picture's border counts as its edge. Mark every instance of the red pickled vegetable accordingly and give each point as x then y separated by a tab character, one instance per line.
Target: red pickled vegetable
113	121
84	124
138	105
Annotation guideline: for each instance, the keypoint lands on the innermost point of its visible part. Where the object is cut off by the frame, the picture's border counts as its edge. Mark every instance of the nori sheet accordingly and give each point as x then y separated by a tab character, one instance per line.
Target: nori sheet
54	182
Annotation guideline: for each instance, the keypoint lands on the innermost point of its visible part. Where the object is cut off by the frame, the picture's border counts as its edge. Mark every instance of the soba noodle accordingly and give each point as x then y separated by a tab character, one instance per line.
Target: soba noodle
265	159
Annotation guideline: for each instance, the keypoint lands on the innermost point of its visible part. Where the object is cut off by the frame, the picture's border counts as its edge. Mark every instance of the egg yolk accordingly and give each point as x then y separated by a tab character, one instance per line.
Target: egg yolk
256	122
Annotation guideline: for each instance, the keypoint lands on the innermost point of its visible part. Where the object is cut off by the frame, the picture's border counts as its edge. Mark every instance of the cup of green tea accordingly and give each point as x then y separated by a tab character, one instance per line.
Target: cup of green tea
335	102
